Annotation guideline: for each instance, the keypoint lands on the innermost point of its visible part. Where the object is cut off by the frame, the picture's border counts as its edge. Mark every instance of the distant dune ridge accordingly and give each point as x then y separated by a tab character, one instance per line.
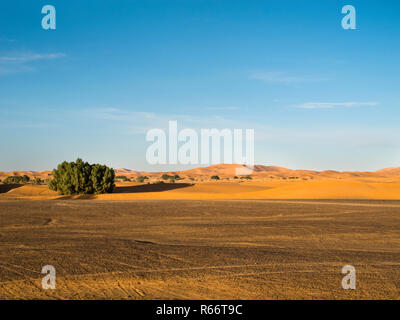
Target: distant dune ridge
229	171
262	171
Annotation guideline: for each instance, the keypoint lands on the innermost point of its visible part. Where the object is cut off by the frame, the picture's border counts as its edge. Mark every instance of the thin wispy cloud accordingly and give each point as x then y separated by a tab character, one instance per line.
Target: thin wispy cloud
127	122
228	108
6	69
21	62
23	125
31	57
136	122
7	40
284	78
330	105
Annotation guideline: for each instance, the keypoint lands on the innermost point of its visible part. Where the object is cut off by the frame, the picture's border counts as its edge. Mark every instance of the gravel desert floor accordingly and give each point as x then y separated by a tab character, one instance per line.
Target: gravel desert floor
200	249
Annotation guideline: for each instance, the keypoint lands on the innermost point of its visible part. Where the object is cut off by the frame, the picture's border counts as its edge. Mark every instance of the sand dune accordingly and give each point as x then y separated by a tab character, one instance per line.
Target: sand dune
32	174
283	190
268	182
340	189
229	171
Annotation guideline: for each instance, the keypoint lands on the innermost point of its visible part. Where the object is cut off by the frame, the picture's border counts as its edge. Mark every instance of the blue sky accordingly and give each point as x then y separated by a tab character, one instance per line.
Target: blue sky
318	96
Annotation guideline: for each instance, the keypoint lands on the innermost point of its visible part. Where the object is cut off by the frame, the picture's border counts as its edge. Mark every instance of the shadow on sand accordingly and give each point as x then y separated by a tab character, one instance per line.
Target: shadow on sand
7	187
158	187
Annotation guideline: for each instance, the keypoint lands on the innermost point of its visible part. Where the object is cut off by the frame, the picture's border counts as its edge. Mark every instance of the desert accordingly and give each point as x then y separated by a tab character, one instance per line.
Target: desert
283	234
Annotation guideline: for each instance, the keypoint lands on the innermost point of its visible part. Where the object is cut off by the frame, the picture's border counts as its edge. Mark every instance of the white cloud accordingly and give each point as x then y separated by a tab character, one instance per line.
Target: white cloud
31	57
136	122
228	108
284	78
18	63
6	69
330	105
7	40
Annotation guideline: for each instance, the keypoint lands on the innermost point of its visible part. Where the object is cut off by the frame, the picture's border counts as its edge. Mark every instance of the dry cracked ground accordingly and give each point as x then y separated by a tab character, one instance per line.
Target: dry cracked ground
200	249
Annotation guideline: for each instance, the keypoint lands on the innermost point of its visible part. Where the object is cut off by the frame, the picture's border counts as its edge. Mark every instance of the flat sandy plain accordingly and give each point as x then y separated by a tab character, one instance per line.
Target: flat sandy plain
203	241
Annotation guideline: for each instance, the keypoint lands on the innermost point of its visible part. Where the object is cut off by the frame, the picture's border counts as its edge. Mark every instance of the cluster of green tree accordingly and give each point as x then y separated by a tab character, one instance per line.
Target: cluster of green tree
80	177
214	177
158	182
246	177
170	178
123	178
37	181
142	178
22	180
16	179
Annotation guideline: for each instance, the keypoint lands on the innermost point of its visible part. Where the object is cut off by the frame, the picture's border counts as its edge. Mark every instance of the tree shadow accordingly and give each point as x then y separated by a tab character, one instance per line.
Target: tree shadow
7	187
77	197
157	187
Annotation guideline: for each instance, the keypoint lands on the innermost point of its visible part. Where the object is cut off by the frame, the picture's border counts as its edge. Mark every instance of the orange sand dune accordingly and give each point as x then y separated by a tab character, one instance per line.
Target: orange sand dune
29	192
32	174
329	189
229	171
270	172
267	183
332	190
277	190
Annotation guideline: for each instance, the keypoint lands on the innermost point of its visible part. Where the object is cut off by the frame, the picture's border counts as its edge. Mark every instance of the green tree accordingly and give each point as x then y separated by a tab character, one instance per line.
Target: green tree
16	180
215	177
80	177
142	178
102	179
246	177
37	181
123	178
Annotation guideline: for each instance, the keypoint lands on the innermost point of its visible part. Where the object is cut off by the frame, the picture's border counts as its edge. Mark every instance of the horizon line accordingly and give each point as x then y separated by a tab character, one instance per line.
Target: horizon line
221	164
